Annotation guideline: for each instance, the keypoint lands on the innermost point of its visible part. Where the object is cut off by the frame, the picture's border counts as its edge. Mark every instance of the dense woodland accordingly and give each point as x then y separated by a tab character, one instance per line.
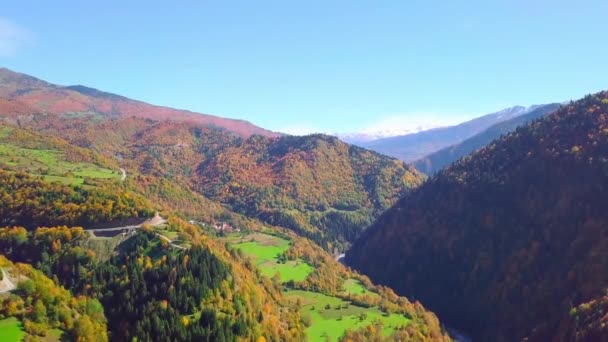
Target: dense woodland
32	202
317	185
42	305
152	292
506	242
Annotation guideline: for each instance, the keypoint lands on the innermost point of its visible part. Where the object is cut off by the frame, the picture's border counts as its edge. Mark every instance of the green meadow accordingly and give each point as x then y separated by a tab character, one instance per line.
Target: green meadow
329	316
265	250
354	287
52	165
11	330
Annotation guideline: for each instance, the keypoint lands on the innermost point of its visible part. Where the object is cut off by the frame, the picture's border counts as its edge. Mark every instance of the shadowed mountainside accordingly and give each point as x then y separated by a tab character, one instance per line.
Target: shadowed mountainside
505	242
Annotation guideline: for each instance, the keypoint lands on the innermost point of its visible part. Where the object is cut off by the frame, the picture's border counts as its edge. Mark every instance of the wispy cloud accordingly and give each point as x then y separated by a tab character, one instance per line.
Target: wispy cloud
411	122
13	38
301	129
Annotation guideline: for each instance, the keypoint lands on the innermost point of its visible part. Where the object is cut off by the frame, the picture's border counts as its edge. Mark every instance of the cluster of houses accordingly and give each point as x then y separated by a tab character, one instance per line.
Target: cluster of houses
225	227
219	226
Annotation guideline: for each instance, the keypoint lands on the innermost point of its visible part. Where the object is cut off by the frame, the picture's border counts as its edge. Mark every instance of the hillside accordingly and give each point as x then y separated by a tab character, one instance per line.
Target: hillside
185	281
38	308
412	147
442	158
28	101
506	242
316	185
189	279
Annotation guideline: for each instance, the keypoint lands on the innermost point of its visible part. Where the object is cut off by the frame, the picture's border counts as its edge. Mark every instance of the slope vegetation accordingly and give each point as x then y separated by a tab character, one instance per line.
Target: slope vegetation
506	242
316	185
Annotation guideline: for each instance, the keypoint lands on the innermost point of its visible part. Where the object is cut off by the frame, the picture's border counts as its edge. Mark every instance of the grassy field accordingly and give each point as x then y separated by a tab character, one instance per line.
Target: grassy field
52	164
11	330
265	249
332	316
168	233
354	287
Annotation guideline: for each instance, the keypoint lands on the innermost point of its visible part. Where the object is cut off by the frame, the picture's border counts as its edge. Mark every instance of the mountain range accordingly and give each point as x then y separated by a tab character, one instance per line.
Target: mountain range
415	146
372	135
435	161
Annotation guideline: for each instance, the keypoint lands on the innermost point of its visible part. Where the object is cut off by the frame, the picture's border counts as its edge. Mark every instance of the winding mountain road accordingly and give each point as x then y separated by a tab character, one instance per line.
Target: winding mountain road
6	284
155	221
113	229
340	258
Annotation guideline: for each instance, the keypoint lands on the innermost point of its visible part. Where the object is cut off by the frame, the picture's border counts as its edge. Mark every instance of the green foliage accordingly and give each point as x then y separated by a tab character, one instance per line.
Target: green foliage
332	298
11	330
266	250
30	202
192	290
42	305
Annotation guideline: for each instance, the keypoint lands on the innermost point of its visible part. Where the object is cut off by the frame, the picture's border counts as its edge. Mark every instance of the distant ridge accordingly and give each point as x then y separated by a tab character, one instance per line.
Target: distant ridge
412	147
22	95
440	159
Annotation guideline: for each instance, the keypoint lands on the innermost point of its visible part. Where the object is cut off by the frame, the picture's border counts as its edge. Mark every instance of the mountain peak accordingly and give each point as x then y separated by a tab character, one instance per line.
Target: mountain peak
16	80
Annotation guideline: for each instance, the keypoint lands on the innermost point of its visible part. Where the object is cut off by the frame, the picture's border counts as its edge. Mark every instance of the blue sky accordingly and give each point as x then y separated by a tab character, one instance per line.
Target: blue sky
333	66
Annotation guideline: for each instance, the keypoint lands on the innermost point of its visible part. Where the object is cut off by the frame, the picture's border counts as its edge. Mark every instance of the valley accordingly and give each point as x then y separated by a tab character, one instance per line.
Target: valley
123	221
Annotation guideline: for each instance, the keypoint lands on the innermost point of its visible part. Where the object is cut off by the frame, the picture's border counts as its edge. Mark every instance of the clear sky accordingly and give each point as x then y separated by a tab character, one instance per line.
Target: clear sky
333	66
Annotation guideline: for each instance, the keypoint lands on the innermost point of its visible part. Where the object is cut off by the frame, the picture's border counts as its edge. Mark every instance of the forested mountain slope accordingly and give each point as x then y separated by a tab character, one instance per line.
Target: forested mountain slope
317	185
440	159
47	309
506	242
